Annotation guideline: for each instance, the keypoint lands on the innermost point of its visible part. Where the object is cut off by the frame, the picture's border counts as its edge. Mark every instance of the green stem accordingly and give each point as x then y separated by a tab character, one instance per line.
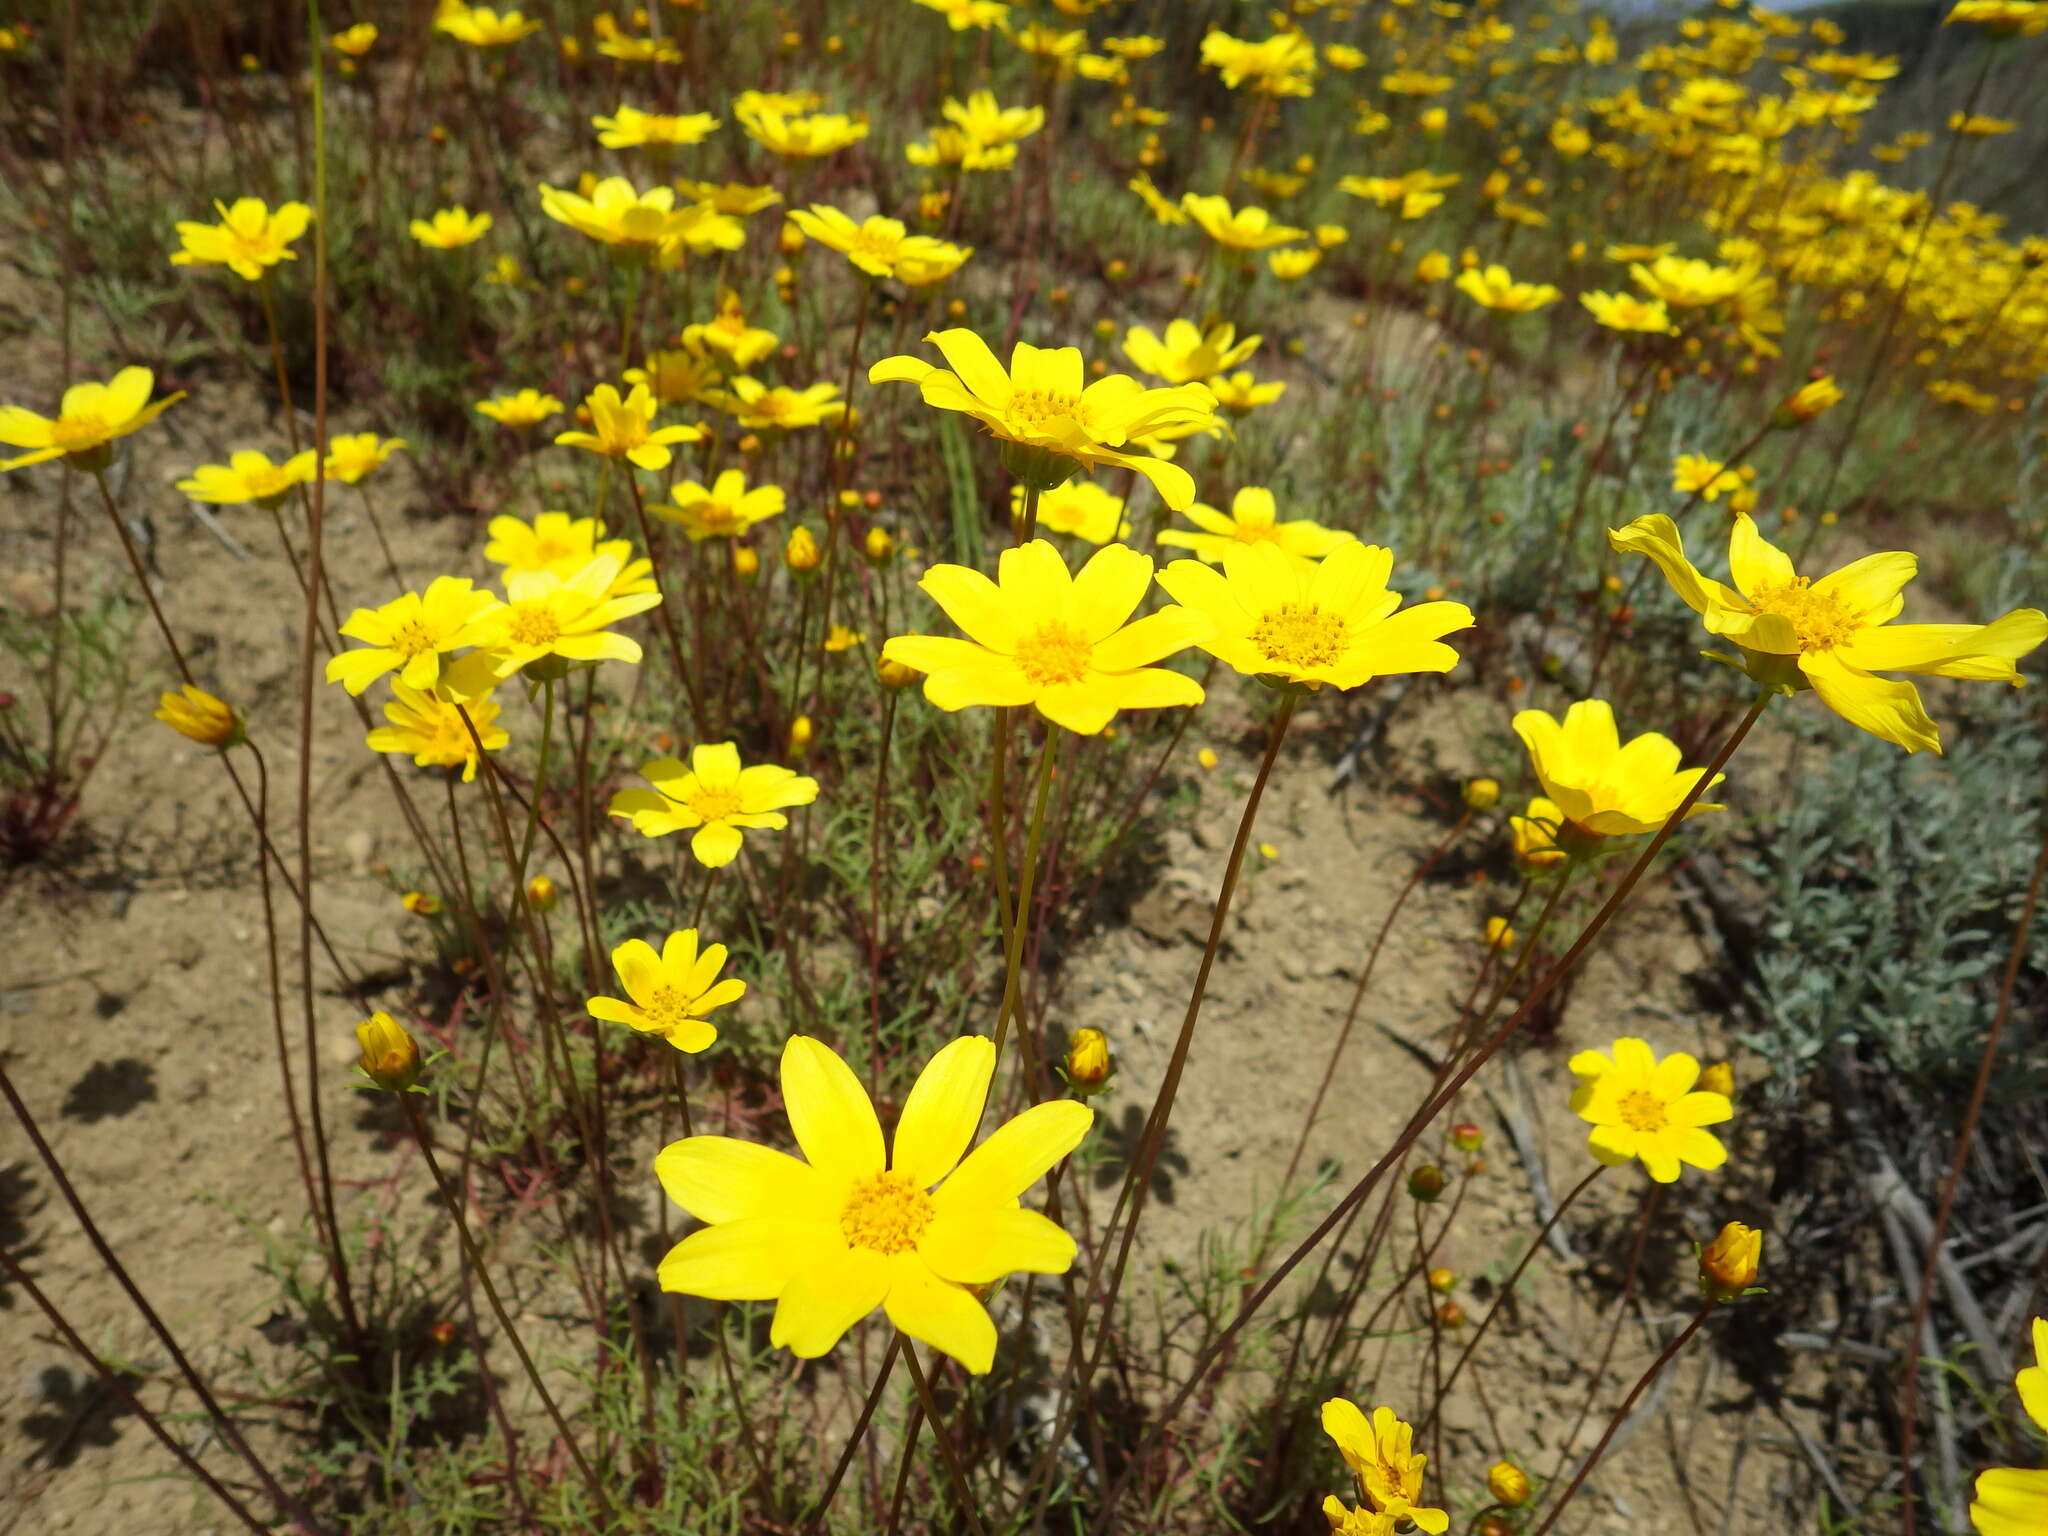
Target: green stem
540	780
1026	877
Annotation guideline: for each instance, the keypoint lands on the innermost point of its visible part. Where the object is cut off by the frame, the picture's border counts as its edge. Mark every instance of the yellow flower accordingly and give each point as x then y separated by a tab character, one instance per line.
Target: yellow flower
1687	283
716	797
735	199
90	417
962	14
727	510
1380	1455
1833	633
1312	623
848	1228
1253	519
428	725
617	215
527	408
1535	833
248	240
1241	392
249	476
1810	400
553	541
198	716
1057	49
1728	1264
756	406
390	1056
669	993
1709	477
482	27
1626	312
354	454
1343	56
1164	209
1290	265
1245	229
678	375
1978	126
1433	268
2013	1501
1508	1484
450	229
730	336
1640	1107
1065	644
355	41
1047	421
798	137
2004	18
989	124
546	615
1499	935
1189	354
1569	139
1595	782
953	146
625	429
1414	82
881	247
1088	1066
630	128
637	50
1283	65
1080	508
1497	290
410	634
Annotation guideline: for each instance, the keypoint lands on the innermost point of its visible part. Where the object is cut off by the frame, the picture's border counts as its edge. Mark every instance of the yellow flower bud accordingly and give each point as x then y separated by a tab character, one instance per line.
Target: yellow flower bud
542	894
1728	1263
791	240
745	563
877	546
802	554
1717	1077
1441	1279
1508	1484
895	675
1449	1315
1088	1066
391	1057
1467	1137
1207	758
198	716
420	903
1481	794
800	733
1498	934
1808	401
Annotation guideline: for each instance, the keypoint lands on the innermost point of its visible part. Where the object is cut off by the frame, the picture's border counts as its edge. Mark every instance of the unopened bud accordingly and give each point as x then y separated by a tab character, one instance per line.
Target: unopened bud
1449	1315
802	554
1508	1484
746	564
1442	1280
391	1057
894	674
1467	1137
1728	1263
1498	934
1481	794
1427	1183
1088	1066
877	546
420	903
800	733
1717	1077
542	894
198	716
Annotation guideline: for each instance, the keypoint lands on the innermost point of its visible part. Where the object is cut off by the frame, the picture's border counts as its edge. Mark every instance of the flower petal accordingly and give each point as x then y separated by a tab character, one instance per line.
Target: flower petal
974	603
1108	589
830	1113
756	1259
1754	563
721	1178
1016	1156
943	1111
974	364
1886	708
1656	535
978	1247
940	1313
828	1297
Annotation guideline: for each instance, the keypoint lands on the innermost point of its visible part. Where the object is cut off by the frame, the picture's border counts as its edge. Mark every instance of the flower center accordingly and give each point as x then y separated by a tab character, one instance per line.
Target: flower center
534	624
1300	635
1033	407
1054	654
70	431
715	802
667	1007
411	639
879	244
1821	621
886	1214
1643	1111
718	516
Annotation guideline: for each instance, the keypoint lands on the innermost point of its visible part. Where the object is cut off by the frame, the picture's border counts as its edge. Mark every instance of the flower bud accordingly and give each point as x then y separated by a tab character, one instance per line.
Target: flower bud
802	554
894	674
1728	1263
1442	1280
198	716
1717	1077
391	1057
1498	934
420	903
542	894
1508	1484
1807	402
745	563
1207	758
876	547
1495	1525
1481	794
1427	1183
1449	1315
1088	1066
1467	1137
800	733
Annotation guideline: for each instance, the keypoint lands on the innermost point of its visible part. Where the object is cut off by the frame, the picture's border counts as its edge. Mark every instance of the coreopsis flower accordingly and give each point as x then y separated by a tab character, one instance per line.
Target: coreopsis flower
629	49
1698	474
759	407
617	215
1640	1107
1288	266
881	247
449	229
1240	393
390	1056
1309	623
198	716
1242	229
1495	288
1064	644
1254	518
355	454
1283	65
1728	1264
807	136
1597	784
553	541
724	510
963	14
848	1228
1050	47
735	199
2013	1501
428	726
1080	508
526	408
249	476
249	239
2004	18
89	417
1535	833
1164	209
730	336
356	41
1046	420
1626	312
1189	354
1810	400
547	617
1380	1454
410	634
956	147
801	553
669	993
678	375
630	128
624	429
714	798
481	26
1686	282
1834	633
989	123
1434	267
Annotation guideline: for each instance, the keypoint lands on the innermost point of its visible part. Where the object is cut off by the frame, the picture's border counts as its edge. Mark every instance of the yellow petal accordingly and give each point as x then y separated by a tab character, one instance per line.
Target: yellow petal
1886	708
828	1297
1108	589
980	1247
751	1260
1656	535
1754	562
974	365
1016	1156
1871	585
715	845
940	1313
1157	635
943	1111
721	1178
976	604
829	1111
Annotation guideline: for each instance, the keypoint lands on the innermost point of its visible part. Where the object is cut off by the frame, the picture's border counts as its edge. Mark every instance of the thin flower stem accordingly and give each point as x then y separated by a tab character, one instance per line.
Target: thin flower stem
661	610
947	1453
999	820
1025	527
815	1520
1645	1215
284	387
876	811
540	779
1027	873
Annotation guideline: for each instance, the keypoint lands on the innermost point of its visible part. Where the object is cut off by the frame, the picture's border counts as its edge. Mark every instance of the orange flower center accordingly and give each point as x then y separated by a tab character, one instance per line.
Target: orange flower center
412	639
1300	636
718	802
533	624
1641	1110
1053	654
1821	621
886	1214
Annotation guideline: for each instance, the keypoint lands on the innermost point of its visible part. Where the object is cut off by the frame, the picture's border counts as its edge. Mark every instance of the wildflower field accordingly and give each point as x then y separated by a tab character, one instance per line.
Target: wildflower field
1078	766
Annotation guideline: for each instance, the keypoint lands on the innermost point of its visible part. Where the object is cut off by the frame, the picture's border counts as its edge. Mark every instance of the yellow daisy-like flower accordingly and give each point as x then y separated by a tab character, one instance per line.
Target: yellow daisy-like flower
410	634
1283	65
2003	18
954	146
1047	421
1164	209
735	199
1064	644
730	336
988	123
1254	518
1626	312
553	541
1081	508
248	240
963	14
449	229
427	724
2013	1501
546	615
630	128
881	247
1640	1107
678	375
1380	1454
1497	290
670	992
624	429
714	797
800	137
1596	783
1189	354
724	511
1241	393
1695	472
89	418
1291	265
618	215
527	408
1833	633
354	454
1312	623
1686	282
356	41
481	26
1245	229
249	476
915	1230
760	408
